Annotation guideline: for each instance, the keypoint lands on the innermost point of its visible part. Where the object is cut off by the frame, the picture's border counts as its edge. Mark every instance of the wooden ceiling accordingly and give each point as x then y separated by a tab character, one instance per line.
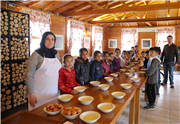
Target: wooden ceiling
114	14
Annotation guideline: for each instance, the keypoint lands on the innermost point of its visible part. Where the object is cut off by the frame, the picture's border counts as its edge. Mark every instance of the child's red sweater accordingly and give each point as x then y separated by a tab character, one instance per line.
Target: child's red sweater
67	80
106	68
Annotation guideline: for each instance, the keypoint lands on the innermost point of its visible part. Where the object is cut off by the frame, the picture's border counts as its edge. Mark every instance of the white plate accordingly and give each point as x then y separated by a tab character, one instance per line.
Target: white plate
71	117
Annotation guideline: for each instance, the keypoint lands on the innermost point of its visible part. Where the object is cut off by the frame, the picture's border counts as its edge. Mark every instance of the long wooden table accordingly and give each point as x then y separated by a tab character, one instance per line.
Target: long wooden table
104	96
132	97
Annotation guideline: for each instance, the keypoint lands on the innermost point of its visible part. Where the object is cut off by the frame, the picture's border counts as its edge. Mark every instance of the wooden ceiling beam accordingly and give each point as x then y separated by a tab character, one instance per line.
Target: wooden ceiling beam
134	3
148	23
65	6
136	15
124	3
32	3
145	14
106	6
123	9
168	13
144	2
138	20
94	5
50	5
124	16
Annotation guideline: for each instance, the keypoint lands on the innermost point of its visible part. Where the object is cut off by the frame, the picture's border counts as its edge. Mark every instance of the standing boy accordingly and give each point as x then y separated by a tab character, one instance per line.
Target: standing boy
152	74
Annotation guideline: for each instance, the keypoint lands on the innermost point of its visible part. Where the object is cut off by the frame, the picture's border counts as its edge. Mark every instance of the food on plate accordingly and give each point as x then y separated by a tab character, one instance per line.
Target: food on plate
53	107
71	110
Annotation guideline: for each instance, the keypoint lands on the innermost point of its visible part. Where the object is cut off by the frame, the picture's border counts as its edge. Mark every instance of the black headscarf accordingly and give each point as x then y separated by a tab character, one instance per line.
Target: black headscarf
49	53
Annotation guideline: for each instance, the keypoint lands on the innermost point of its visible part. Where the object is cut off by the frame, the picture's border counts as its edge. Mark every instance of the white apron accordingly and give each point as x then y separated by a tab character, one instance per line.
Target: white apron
46	82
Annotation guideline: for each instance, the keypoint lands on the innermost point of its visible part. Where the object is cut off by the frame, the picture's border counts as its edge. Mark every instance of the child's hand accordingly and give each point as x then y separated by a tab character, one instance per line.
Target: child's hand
74	91
117	72
86	87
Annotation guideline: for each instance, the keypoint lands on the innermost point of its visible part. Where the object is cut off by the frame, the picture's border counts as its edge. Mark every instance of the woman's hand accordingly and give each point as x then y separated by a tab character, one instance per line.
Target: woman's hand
33	99
74	91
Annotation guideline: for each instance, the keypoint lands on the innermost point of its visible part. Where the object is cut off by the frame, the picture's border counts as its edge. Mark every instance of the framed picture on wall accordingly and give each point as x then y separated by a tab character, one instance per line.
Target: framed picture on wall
112	43
59	45
146	43
87	42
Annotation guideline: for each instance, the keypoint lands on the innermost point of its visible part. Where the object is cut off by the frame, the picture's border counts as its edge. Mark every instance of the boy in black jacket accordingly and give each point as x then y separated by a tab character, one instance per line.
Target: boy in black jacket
82	67
95	67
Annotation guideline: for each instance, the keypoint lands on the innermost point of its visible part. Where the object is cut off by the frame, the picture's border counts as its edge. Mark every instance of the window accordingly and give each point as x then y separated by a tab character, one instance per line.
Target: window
36	30
97	37
75	34
161	36
128	38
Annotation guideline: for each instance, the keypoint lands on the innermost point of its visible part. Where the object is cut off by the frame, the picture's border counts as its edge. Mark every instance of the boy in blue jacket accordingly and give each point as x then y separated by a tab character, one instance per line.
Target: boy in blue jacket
95	67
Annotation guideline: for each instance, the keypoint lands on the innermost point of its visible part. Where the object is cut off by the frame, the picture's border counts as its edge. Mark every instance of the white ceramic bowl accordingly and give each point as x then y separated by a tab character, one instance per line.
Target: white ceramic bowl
106	107
80	88
86	100
129	74
131	71
118	94
114	74
135	80
127	66
65	97
70	117
143	69
109	79
134	68
123	70
141	72
52	113
95	83
126	86
104	86
90	116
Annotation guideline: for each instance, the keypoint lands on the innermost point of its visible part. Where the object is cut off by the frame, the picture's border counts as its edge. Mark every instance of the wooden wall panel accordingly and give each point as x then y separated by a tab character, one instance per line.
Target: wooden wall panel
58	26
142	35
178	37
112	33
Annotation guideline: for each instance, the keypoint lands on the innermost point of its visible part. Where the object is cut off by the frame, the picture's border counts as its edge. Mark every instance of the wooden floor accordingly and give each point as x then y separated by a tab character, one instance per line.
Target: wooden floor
167	109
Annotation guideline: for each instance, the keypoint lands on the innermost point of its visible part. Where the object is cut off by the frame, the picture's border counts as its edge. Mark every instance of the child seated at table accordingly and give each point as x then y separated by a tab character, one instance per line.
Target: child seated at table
95	67
111	58
82	67
105	64
117	60
127	58
123	58
136	57
152	74
67	76
145	60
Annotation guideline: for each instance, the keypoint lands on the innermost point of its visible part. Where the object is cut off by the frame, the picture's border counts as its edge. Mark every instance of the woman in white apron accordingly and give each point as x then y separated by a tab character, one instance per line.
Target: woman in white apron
42	73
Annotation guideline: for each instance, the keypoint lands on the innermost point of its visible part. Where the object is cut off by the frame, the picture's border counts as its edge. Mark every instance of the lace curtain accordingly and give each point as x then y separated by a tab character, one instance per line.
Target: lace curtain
97	38
75	37
128	38
38	20
161	36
